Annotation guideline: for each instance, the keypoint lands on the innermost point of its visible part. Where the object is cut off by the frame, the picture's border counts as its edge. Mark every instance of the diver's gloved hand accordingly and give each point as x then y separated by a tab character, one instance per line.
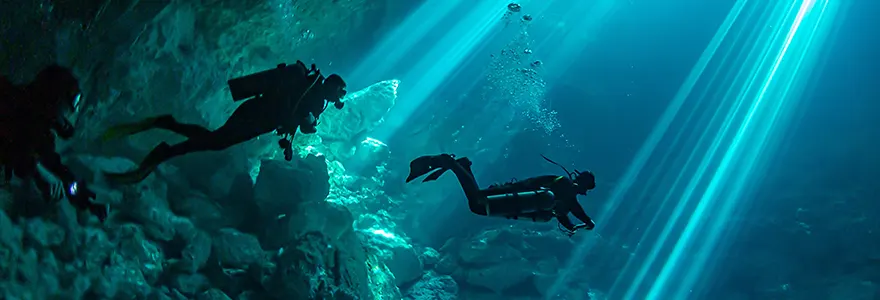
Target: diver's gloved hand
81	196
57	187
287	148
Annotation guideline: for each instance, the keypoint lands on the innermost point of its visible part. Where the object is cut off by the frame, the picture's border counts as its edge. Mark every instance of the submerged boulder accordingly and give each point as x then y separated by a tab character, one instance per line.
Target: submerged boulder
281	186
396	253
433	286
317	267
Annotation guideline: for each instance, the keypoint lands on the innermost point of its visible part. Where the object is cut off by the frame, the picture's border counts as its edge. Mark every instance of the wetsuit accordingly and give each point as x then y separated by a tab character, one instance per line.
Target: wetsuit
276	110
539	198
564	196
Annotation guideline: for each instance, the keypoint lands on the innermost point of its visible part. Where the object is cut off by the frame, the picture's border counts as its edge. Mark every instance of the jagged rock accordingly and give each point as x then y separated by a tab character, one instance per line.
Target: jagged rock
372	156
330	219
96	248
177	295
546	274
203	173
482	252
370	221
201	211
500	277
162	293
342	130
281	186
145	254
30	275
429	257
147	206
543	244
43	234
239	208
400	257
190	284
432	286
10	235
184	229
213	294
196	253
122	279
248	295
503	260
234	249
447	265
79	287
405	265
314	267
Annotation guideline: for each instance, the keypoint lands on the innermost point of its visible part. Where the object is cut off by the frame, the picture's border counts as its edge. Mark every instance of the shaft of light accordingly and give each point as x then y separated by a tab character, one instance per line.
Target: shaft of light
402	40
717	135
645	152
441	60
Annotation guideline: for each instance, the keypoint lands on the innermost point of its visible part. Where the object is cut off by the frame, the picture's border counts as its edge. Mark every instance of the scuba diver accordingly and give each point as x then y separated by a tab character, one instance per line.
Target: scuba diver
538	198
31	116
280	99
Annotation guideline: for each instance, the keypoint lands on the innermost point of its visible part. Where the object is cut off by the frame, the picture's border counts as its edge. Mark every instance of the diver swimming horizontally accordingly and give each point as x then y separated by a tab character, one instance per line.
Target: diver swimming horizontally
31	116
538	198
281	99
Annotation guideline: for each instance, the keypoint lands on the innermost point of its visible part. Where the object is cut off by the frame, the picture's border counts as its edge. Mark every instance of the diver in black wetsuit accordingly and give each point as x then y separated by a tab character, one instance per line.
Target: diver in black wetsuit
281	100
538	198
31	117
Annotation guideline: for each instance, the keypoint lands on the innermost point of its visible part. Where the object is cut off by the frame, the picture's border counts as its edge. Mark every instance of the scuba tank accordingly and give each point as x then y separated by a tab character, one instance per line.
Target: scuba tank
268	81
535	204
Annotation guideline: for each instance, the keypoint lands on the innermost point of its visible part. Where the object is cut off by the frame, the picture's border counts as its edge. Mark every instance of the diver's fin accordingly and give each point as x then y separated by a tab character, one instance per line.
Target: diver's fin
464	162
435	175
124	130
150	163
420	166
131	177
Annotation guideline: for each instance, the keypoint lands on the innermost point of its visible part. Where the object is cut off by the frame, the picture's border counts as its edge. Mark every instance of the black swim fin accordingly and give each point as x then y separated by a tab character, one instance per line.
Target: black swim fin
435	175
124	130
464	162
420	166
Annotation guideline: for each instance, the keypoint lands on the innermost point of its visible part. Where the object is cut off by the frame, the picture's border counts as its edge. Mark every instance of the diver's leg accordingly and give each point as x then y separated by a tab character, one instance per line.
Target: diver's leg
168	122
247	122
476	197
163	152
238	128
461	167
235	131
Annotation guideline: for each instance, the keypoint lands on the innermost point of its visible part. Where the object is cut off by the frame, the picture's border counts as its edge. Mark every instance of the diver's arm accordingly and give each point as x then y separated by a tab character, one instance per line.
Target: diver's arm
311	112
562	217
51	160
308	128
579	213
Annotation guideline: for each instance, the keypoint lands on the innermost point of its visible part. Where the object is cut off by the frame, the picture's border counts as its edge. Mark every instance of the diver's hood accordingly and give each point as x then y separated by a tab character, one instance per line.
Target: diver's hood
585	178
